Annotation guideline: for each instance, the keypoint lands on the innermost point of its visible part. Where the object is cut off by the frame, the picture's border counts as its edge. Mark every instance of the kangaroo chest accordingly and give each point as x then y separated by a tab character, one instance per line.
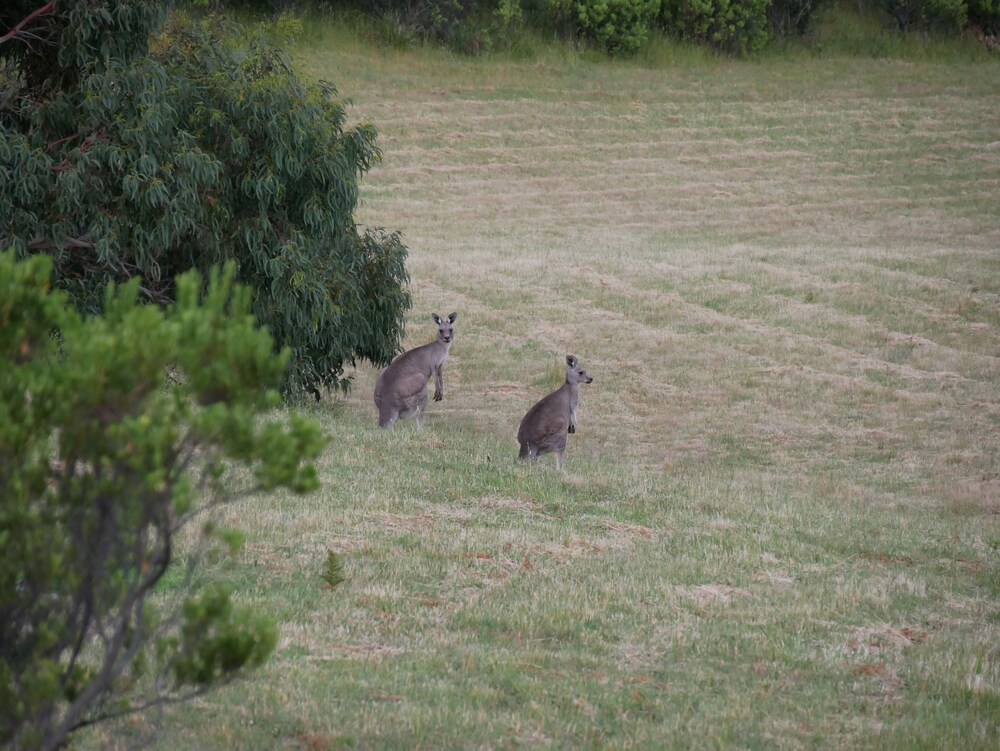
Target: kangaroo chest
440	354
572	395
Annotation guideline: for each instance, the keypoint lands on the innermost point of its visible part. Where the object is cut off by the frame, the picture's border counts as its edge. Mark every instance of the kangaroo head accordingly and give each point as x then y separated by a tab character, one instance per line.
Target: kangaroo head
575	373
445	328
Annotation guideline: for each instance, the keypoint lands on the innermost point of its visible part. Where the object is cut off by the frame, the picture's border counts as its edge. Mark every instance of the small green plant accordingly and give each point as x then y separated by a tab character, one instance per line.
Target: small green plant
333	570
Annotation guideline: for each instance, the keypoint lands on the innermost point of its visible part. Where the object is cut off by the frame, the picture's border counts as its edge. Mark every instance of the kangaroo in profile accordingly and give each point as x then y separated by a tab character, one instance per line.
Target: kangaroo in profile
401	389
546	425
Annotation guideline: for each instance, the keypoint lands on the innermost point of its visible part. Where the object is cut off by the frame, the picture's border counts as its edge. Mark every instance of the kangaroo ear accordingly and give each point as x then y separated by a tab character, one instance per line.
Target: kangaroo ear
436	318
571	361
453	317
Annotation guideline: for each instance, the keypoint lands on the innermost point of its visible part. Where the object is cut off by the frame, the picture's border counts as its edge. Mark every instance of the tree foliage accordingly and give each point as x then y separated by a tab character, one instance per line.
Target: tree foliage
128	154
103	460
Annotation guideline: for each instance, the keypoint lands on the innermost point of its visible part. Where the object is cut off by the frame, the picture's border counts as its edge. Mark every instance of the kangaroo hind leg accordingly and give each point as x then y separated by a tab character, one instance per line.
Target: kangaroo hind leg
421	407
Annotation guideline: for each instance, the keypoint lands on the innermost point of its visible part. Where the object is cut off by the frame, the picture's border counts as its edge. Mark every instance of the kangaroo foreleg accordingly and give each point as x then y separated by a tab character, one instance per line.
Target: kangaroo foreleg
438	384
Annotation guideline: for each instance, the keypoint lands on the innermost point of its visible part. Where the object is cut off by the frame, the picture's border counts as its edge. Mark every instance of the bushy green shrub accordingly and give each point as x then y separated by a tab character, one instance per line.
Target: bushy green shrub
985	14
734	26
506	21
117	431
487	27
123	161
788	18
430	19
617	26
945	16
274	6
471	26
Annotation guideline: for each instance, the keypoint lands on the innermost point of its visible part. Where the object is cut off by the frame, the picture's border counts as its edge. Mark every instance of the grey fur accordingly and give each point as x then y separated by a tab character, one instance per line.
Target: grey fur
546	425
401	389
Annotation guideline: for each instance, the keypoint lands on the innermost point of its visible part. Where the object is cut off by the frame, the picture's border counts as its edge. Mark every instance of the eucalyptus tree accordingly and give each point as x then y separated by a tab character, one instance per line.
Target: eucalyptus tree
135	143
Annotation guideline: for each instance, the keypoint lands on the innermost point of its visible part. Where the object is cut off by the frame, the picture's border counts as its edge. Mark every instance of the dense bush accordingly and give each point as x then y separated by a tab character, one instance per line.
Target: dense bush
428	19
123	162
938	15
273	6
614	25
789	18
735	26
732	26
471	26
985	14
103	460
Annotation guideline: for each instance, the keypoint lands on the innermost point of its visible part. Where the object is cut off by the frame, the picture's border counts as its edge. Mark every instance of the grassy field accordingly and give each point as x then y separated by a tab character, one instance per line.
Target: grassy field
779	522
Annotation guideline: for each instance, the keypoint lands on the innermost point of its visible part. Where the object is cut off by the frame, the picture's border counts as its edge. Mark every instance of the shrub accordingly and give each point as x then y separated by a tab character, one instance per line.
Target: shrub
506	21
944	16
985	14
470	26
103	459
617	26
428	19
734	26
787	18
258	6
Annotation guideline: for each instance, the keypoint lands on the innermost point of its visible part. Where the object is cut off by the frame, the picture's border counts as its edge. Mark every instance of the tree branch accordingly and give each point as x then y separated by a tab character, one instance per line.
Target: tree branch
46	10
119	650
40	243
158	701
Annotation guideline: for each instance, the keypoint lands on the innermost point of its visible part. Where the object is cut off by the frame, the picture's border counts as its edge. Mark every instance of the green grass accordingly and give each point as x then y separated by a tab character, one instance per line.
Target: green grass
779	524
